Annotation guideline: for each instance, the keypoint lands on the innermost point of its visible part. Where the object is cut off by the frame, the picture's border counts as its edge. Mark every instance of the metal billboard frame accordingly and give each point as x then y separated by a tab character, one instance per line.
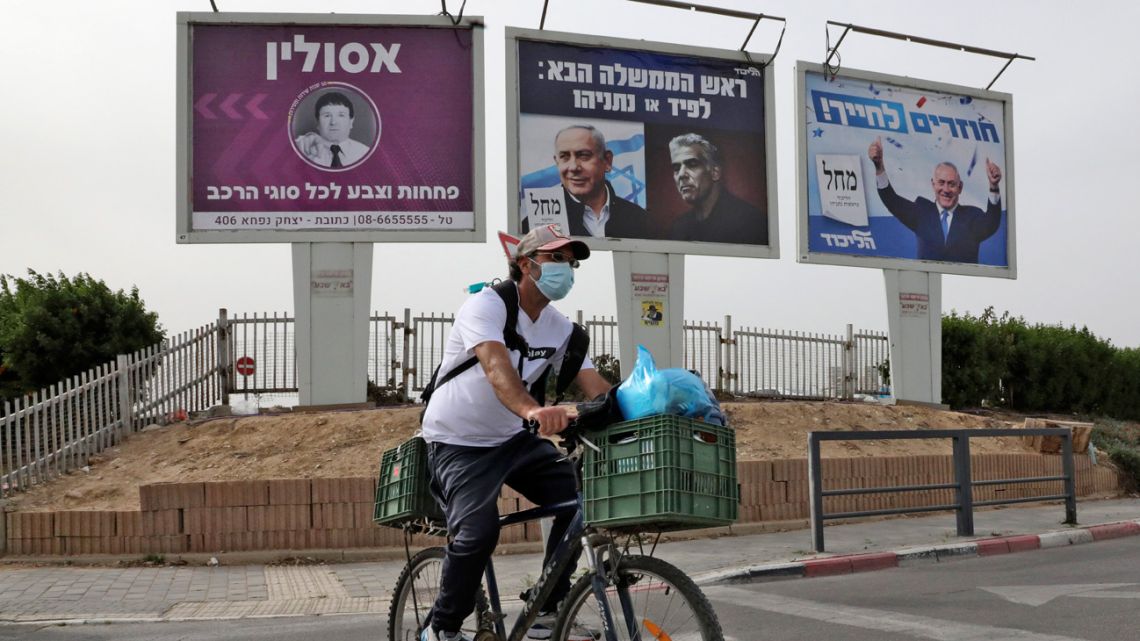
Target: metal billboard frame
772	250
184	143
1009	177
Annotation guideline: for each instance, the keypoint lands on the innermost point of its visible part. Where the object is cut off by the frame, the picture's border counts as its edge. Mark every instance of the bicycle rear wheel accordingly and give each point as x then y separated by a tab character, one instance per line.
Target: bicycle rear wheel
415	593
665	603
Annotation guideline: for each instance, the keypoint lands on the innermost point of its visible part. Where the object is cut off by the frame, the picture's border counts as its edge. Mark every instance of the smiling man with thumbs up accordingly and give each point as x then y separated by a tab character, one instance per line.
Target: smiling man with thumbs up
945	229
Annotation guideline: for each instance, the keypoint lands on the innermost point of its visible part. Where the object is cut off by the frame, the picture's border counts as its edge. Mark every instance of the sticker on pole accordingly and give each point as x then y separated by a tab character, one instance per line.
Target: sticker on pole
914	305
245	366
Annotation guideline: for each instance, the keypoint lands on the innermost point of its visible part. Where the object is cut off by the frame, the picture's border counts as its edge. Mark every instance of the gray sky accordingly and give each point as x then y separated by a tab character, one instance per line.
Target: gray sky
87	176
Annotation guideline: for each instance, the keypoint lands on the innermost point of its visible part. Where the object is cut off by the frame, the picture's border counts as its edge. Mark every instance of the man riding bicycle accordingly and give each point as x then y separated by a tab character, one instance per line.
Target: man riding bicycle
473	423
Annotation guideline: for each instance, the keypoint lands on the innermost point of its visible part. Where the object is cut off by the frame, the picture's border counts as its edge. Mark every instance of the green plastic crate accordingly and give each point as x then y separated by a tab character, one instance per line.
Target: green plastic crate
402	493
661	473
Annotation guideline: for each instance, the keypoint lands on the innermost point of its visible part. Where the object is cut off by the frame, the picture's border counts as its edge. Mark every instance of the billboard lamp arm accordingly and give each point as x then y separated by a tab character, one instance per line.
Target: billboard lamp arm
455	20
1003	68
834	51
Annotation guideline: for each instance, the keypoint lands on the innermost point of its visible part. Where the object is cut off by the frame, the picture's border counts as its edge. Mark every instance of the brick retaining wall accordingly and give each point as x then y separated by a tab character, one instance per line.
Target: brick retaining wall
299	514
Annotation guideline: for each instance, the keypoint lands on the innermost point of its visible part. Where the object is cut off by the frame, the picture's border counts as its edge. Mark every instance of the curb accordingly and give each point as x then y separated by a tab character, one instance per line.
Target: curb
851	563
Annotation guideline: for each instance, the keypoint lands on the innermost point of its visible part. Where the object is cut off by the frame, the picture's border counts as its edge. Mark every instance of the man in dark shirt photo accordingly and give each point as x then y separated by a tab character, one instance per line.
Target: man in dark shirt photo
716	215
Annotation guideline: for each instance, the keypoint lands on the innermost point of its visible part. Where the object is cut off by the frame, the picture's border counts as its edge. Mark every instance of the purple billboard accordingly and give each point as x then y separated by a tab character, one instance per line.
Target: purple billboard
329	128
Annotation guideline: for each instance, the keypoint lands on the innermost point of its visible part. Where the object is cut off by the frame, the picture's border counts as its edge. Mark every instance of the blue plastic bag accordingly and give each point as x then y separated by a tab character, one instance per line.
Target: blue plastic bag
649	391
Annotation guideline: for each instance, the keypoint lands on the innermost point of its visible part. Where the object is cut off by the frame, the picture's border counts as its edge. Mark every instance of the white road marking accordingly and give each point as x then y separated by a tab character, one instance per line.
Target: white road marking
1110	594
874	619
1035	595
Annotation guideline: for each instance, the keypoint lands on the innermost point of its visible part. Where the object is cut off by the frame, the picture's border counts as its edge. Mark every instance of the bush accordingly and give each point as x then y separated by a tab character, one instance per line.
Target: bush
393	394
54	327
975	358
1121	442
605	364
1003	361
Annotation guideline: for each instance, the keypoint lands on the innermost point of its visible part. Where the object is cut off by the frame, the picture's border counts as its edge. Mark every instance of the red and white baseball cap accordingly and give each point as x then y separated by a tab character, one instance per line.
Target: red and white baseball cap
545	238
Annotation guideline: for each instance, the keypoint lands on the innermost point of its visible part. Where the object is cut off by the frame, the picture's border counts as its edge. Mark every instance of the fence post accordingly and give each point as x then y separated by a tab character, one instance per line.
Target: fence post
815	492
225	377
726	342
123	381
849	364
408	331
1070	478
965	485
3	526
394	361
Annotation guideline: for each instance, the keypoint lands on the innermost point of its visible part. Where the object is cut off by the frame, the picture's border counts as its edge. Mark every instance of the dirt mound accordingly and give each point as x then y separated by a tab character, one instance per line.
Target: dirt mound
340	444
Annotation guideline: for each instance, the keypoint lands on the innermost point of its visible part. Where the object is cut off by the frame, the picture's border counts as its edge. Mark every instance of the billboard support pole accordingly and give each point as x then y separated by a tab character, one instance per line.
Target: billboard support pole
914	315
650	291
332	288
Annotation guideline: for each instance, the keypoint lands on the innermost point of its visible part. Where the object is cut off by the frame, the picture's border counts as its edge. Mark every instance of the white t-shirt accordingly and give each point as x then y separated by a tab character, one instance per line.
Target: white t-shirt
465	410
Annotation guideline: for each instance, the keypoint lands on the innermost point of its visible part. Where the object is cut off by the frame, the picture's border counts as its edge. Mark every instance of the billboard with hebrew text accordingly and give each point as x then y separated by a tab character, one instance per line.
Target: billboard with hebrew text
900	173
641	146
307	127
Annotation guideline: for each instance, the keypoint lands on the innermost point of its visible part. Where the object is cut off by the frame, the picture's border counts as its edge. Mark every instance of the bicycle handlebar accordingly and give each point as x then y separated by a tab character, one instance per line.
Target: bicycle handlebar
532	426
592	415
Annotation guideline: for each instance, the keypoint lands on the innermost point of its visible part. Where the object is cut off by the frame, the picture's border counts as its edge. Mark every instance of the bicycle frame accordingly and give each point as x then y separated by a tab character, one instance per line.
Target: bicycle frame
577	535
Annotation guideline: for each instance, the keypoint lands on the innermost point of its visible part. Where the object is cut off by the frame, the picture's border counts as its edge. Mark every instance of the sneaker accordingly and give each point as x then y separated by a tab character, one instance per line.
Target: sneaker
438	635
543	626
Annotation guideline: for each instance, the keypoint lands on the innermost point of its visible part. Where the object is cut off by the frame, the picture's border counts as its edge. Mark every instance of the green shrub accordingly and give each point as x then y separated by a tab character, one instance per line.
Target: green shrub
1121	442
54	327
1002	361
606	364
393	394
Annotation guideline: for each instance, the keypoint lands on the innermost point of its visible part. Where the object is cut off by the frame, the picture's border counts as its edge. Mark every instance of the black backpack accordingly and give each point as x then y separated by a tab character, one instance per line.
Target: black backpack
571	362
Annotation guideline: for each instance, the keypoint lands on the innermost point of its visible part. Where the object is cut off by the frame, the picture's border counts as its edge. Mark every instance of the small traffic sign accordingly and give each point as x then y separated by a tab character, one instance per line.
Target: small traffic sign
245	366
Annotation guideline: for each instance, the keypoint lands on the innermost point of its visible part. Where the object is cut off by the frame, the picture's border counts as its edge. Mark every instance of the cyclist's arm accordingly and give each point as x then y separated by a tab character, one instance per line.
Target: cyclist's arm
591	383
509	389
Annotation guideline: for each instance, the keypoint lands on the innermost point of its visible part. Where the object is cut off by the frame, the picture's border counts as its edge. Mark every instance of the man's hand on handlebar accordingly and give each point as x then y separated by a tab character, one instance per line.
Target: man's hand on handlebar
551	420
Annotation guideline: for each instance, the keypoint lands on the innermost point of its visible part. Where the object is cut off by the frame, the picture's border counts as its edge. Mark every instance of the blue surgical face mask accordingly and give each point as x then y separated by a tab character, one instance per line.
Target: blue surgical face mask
556	279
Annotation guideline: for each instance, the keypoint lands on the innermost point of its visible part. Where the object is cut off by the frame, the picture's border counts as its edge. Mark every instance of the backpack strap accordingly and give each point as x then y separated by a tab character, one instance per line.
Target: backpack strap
508	291
576	350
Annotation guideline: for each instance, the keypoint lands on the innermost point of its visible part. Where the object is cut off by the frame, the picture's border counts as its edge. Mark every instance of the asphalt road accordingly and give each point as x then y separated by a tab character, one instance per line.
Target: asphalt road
1086	592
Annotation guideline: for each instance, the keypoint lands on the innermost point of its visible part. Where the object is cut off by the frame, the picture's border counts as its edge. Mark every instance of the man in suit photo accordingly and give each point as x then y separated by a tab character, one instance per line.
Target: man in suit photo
945	229
330	146
592	207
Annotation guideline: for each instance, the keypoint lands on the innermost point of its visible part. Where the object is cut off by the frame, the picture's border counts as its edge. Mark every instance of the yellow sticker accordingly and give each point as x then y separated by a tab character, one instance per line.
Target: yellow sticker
652	313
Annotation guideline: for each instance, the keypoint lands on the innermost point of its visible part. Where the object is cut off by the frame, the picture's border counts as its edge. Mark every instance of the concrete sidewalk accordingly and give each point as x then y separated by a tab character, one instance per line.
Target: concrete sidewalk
60	593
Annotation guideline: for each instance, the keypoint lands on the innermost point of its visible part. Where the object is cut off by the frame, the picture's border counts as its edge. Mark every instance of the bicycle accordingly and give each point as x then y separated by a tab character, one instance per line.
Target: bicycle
654	600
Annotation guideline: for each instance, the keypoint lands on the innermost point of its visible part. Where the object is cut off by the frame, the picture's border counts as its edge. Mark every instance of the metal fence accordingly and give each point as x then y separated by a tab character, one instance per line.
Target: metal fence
267	342
747	361
56	430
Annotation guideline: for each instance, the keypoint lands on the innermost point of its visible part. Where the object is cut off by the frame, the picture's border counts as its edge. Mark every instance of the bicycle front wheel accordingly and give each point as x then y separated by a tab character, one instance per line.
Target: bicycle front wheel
663	603
415	594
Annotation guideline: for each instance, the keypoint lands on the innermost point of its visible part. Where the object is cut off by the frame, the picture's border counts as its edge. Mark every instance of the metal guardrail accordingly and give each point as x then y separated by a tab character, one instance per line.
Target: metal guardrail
962	485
